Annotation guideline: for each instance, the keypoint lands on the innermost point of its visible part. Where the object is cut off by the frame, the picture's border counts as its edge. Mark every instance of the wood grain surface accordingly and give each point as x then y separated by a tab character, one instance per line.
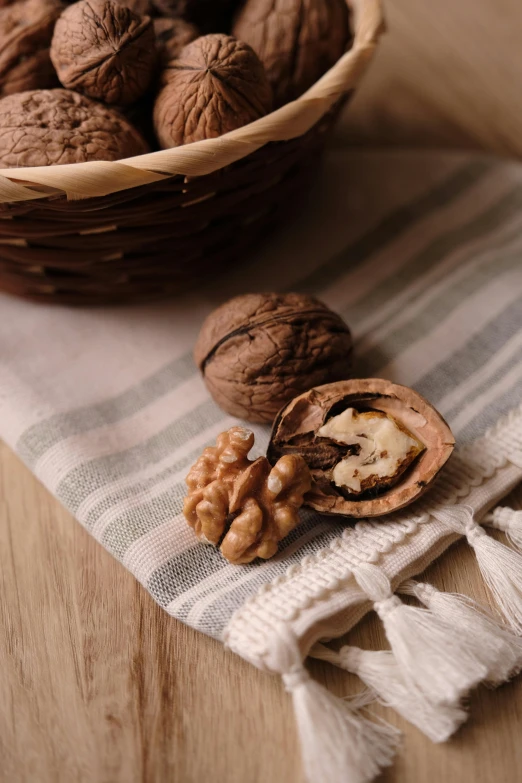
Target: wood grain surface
97	683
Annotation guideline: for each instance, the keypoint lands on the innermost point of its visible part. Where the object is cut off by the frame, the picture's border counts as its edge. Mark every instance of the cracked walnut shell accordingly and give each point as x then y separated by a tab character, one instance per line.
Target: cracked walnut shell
258	351
372	446
105	51
215	86
49	127
244	506
26	30
296	40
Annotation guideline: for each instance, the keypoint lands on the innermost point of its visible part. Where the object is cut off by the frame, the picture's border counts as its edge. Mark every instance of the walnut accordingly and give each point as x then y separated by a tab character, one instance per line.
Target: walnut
216	85
47	127
171	36
372	446
245	507
104	50
258	351
296	40
26	29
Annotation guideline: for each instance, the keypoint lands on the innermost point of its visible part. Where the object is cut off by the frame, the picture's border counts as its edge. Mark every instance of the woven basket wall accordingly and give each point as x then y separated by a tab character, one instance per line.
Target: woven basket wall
143	227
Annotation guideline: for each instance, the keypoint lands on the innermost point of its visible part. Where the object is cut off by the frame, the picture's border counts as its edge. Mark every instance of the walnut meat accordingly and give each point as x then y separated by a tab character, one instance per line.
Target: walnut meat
372	446
245	507
47	127
172	35
26	29
105	51
216	86
296	40
258	351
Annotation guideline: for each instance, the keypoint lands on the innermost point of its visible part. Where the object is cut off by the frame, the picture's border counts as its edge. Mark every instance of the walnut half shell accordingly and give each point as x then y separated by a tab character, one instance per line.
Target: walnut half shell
372	446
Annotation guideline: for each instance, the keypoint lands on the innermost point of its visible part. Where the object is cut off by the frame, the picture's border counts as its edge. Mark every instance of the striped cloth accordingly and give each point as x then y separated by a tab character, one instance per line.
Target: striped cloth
420	253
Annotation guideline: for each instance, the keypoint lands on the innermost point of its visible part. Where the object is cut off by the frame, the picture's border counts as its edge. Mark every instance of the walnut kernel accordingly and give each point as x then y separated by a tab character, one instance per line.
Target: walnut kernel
245	507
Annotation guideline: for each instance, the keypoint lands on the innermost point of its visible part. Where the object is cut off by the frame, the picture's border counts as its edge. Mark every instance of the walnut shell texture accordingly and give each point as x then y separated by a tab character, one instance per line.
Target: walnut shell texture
258	351
105	51
48	127
172	35
296	431
296	40
26	30
216	86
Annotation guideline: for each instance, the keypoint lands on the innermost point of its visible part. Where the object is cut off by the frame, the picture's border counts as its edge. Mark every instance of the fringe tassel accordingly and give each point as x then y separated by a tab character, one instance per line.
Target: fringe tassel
509	522
339	745
501	567
380	672
495	646
431	657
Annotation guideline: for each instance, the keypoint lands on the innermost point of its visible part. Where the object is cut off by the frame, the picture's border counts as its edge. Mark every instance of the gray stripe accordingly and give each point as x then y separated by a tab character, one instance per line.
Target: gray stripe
39	438
392	226
378	356
492	412
477	352
217	615
135	522
90	476
136	488
85	479
431	255
175	577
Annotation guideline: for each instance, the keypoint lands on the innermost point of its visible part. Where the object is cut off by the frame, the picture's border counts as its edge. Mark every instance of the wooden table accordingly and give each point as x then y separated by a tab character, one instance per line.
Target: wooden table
97	683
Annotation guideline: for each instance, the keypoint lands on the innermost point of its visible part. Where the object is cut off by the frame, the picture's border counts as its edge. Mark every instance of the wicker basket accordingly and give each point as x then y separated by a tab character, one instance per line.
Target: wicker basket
142	227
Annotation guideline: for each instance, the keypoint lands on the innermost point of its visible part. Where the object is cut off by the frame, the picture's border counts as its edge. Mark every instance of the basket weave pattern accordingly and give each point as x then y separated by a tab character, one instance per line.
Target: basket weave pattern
142	227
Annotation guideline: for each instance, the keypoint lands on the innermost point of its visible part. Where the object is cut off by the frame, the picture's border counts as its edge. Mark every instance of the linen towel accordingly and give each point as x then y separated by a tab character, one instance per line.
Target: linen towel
421	255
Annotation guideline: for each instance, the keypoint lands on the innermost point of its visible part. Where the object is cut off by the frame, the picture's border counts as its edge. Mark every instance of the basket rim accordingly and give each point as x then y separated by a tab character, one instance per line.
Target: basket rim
100	178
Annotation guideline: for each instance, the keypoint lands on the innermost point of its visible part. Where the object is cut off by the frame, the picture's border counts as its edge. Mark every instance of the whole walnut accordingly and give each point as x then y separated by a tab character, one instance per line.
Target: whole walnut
26	29
216	86
258	351
47	127
171	36
105	51
296	40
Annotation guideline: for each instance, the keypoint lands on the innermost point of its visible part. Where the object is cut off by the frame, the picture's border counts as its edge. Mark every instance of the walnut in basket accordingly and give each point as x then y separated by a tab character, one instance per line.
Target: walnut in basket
296	40
105	51
47	127
26	30
245	507
217	85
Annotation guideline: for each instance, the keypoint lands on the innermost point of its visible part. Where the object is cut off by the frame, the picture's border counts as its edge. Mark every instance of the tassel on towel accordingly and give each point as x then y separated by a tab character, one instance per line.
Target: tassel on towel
433	659
338	744
509	522
493	642
500	566
379	670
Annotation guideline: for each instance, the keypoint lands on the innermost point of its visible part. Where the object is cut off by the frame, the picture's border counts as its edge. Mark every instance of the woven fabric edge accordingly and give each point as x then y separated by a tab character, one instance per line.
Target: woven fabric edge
319	599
